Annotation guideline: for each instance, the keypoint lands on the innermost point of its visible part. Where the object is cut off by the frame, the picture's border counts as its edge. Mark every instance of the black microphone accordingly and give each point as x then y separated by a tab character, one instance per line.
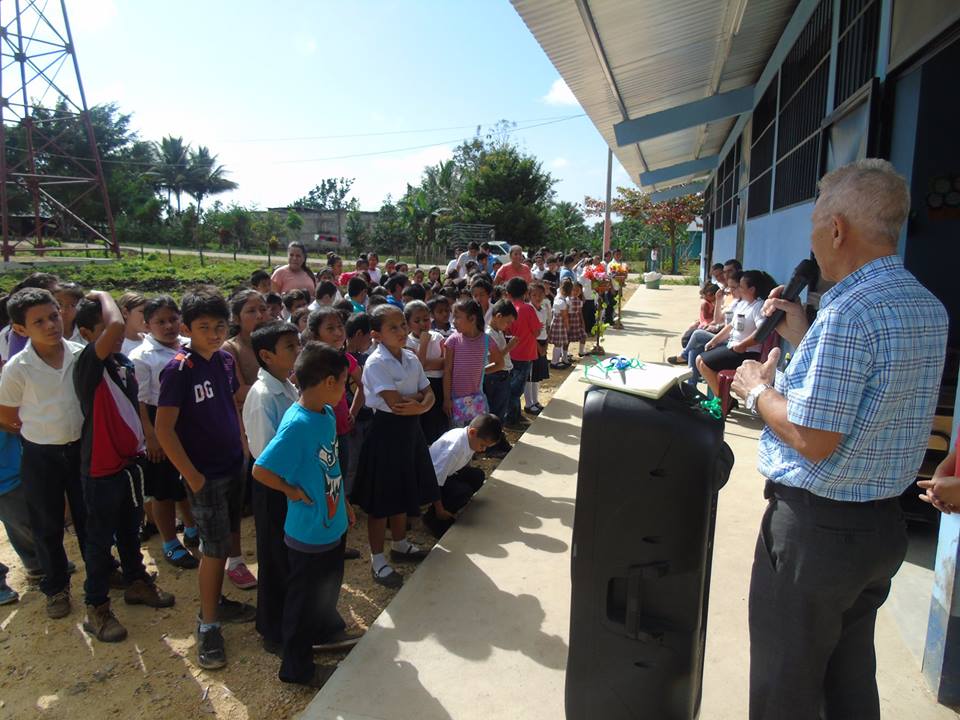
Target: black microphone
804	274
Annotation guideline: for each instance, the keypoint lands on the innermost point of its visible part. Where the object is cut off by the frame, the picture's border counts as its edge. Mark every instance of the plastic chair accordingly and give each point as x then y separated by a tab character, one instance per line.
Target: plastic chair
726	376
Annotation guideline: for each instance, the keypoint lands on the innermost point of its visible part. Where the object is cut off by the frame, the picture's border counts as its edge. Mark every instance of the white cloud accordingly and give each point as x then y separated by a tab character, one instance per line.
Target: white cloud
560	162
560	94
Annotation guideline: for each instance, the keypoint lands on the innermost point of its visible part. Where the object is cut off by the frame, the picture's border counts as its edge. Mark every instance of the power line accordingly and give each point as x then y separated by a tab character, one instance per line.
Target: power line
393	132
158	165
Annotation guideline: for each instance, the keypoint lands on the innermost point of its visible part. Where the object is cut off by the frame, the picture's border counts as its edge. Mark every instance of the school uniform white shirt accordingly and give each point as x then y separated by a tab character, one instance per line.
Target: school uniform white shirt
434	350
374	275
49	408
488	314
560	304
450	452
149	358
383	371
588	293
267	400
746	317
545	316
537	272
452	266
129	345
497	337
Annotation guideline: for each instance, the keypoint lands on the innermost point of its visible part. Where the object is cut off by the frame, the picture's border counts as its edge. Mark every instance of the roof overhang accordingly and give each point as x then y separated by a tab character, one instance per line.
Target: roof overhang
667	84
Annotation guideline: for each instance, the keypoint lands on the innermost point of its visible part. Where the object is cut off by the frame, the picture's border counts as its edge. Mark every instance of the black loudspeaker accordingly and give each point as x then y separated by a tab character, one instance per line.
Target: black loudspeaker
643	530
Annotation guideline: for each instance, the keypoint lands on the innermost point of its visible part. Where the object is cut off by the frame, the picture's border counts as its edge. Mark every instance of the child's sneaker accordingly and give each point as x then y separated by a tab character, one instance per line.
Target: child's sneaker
180	557
211	653
8	595
231	611
58	606
103	624
242	577
191	541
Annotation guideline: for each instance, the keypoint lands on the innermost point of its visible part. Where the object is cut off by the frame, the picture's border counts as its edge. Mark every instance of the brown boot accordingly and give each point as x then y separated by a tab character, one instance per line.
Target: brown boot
103	624
58	606
144	592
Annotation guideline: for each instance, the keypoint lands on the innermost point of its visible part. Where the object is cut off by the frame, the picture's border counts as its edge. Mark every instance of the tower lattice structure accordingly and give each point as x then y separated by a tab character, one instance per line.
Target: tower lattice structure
53	182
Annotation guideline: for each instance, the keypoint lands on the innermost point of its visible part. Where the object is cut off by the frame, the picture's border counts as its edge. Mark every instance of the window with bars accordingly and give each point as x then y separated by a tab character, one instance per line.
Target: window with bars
761	152
728	185
856	46
802	104
708	217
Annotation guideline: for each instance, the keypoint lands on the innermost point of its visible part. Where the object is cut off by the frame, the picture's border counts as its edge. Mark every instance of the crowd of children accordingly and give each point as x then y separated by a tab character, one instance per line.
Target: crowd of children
303	396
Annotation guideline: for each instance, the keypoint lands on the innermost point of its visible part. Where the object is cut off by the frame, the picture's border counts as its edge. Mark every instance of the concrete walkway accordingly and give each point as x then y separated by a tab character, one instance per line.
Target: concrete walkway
480	630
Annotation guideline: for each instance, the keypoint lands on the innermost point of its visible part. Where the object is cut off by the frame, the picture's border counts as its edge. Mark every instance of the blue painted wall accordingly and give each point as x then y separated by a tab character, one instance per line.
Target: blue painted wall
778	241
724	244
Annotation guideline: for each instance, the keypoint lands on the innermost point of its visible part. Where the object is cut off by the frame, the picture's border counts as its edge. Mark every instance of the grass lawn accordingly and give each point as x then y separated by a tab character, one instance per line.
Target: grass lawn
151	274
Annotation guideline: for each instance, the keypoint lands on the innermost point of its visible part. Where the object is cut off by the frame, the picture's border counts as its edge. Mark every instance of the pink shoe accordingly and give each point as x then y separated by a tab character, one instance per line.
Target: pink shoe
242	577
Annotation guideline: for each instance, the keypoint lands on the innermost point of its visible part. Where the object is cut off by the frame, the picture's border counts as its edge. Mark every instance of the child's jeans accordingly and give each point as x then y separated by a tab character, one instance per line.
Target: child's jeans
14	514
310	608
48	472
496	387
518	378
114	508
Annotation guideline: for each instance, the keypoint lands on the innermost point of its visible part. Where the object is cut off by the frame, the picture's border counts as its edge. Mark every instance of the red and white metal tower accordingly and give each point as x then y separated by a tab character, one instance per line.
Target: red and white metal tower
53	182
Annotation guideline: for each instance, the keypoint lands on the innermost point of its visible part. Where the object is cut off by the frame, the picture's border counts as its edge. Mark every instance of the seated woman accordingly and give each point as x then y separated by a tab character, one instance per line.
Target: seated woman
735	342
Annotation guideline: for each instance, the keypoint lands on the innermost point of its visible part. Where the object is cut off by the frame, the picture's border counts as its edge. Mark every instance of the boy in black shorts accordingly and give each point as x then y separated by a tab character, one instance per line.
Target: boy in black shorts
199	430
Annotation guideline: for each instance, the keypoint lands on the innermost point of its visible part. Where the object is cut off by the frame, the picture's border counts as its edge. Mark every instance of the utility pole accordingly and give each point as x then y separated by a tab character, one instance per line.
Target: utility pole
607	229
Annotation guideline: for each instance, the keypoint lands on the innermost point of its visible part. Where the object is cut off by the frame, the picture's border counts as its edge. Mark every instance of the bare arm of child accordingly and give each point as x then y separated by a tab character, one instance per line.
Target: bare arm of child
10	419
741	347
511	344
167	435
358	397
447	381
275	482
496	359
398	404
154	451
113	324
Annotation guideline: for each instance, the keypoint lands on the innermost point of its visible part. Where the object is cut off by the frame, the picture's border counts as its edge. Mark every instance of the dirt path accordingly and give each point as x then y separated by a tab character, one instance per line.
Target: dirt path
52	668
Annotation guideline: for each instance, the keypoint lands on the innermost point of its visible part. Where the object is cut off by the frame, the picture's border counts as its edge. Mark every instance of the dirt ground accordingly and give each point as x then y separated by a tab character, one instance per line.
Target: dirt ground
53	669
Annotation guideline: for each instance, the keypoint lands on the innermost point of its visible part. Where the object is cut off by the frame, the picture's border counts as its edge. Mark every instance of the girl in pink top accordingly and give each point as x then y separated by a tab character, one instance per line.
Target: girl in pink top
296	274
463	367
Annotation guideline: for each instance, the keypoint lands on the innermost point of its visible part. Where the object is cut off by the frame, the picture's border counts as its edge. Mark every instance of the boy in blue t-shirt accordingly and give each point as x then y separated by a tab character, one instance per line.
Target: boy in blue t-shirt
198	428
302	462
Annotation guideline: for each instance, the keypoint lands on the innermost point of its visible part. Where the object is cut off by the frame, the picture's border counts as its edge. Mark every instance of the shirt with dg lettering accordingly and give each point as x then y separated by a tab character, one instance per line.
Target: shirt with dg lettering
208	426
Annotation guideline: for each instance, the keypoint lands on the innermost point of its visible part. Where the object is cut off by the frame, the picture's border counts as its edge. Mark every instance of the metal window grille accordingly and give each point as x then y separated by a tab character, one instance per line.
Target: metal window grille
728	186
761	152
804	79
856	46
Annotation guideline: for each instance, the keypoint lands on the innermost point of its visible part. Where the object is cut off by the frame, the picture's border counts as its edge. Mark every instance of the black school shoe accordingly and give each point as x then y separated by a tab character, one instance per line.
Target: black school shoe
393	580
343	640
211	654
231	611
409	556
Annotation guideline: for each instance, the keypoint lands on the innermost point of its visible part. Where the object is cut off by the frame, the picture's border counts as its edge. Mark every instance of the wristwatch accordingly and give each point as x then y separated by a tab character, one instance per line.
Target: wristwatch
754	395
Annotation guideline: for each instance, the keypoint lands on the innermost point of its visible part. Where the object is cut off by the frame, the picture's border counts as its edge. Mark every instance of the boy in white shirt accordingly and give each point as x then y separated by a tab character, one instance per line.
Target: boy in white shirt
276	346
451	454
162	480
38	401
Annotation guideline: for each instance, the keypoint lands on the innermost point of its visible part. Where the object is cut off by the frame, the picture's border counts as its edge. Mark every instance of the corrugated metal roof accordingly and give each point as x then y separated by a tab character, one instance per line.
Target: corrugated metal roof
661	54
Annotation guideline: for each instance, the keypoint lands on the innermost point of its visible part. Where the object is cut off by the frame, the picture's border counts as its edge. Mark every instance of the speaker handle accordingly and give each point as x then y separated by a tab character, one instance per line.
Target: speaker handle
636	575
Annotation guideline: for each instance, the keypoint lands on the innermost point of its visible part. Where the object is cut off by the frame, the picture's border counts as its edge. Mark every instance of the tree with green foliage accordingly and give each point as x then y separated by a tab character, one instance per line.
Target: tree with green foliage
173	167
205	176
389	231
506	188
356	230
330	195
565	225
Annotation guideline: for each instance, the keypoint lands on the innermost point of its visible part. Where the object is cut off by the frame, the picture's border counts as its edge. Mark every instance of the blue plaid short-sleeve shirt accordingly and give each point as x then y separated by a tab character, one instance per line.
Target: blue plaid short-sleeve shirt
868	368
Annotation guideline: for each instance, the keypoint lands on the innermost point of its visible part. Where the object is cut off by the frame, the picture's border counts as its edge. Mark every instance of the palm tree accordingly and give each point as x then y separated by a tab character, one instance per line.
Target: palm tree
205	177
174	166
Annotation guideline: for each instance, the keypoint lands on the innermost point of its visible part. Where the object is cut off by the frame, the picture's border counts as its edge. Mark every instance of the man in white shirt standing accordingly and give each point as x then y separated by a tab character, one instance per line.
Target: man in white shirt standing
451	454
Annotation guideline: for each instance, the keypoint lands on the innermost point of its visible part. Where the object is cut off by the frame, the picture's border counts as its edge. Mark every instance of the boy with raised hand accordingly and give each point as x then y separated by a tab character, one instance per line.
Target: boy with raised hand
302	462
38	400
276	346
112	455
199	431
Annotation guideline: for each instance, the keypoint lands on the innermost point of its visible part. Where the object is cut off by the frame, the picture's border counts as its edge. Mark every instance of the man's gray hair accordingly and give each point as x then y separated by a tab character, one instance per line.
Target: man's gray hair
870	194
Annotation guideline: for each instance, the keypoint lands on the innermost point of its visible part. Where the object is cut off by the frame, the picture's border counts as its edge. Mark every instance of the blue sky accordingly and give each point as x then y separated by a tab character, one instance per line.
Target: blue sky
257	81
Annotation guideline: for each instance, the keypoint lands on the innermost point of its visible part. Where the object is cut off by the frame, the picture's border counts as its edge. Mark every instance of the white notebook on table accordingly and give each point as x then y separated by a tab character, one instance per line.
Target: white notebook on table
649	380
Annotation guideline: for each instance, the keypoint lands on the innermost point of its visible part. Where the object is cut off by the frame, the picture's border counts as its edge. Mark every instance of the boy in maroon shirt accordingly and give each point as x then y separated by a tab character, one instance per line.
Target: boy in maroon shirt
199	430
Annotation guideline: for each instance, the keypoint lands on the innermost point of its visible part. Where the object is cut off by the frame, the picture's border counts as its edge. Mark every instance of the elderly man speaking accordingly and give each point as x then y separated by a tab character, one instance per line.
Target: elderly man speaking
846	427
